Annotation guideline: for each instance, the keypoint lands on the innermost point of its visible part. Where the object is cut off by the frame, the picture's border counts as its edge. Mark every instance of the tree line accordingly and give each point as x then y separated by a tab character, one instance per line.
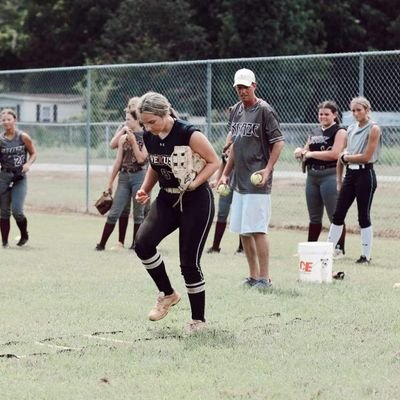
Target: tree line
53	33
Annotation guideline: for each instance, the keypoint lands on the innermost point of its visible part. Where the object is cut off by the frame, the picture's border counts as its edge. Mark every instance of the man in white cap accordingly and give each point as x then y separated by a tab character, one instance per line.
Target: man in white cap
257	144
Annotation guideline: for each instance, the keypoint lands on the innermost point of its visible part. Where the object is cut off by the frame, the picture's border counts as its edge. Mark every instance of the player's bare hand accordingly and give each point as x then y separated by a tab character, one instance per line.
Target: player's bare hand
264	173
223	180
341	158
142	197
298	152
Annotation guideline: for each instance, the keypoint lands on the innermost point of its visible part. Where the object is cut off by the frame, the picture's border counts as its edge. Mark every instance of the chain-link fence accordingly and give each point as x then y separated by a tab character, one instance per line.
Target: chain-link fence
72	113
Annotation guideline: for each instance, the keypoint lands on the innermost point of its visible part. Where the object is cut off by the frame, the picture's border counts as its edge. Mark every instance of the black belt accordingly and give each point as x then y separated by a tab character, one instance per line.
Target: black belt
10	170
320	167
131	170
357	167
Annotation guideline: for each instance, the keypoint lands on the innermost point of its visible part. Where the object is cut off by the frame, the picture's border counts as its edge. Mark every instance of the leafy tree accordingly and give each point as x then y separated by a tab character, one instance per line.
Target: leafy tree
381	19
62	32
151	30
12	14
254	28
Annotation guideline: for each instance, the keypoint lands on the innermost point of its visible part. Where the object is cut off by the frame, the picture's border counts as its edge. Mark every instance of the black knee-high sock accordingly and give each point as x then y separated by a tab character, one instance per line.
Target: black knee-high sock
197	304
313	232
122	225
342	239
22	226
5	230
160	278
240	244
135	229
219	232
107	231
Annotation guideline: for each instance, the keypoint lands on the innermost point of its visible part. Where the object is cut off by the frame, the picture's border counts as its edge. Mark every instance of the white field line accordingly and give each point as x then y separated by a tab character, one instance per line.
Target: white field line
108	339
55	346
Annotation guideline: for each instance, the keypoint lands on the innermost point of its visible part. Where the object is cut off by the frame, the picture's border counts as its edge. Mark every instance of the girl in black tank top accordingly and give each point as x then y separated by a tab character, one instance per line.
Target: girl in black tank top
319	155
163	131
17	154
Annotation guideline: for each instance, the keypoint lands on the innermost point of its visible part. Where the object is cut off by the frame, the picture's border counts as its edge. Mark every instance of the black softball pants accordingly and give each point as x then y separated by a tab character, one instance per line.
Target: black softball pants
358	184
194	224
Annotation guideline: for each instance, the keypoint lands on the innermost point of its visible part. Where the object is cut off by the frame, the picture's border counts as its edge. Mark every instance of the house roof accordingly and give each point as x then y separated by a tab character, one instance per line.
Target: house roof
51	97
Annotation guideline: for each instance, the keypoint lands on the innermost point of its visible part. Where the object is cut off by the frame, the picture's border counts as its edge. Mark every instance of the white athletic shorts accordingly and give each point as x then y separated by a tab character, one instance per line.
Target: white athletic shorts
250	213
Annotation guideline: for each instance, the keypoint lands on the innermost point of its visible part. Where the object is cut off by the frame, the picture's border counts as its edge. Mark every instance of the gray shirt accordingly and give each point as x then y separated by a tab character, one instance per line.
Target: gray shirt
13	154
254	130
357	140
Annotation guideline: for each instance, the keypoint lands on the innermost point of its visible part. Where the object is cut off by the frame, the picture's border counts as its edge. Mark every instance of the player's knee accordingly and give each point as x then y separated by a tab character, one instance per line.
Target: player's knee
191	274
18	216
364	223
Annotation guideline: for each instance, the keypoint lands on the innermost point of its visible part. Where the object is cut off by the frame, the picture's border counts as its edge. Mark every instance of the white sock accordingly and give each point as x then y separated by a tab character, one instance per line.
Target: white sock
335	231
366	241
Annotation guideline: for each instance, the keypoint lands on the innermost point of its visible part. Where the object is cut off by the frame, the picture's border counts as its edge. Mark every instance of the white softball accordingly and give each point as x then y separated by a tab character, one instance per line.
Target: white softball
255	178
397	285
223	189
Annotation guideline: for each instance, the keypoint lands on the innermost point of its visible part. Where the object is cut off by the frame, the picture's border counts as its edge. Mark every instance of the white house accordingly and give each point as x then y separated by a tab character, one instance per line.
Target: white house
43	107
383	118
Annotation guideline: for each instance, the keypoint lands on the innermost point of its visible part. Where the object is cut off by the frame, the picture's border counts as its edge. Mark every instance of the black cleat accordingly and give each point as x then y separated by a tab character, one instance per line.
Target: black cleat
363	260
23	240
100	247
212	250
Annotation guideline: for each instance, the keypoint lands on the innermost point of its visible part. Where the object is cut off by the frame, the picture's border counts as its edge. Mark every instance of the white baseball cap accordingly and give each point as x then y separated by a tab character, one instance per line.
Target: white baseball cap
244	77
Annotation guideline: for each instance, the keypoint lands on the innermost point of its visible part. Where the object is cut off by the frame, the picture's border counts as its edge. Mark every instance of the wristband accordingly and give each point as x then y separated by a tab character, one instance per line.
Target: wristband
342	159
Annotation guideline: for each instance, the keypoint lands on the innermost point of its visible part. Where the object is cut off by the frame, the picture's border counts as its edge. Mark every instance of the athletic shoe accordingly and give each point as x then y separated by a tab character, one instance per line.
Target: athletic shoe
23	240
363	260
338	275
248	283
212	250
262	285
195	325
163	304
118	246
5	245
99	247
239	252
338	254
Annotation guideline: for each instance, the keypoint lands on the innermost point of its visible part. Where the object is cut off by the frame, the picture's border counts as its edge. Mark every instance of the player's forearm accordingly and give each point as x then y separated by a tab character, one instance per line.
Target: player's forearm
274	155
150	180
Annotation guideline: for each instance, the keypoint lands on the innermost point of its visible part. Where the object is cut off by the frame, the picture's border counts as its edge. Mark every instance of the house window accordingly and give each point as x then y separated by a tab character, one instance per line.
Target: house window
46	114
55	113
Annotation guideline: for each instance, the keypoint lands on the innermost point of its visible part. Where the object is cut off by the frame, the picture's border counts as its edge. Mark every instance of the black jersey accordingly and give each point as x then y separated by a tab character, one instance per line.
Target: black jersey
160	151
322	140
13	153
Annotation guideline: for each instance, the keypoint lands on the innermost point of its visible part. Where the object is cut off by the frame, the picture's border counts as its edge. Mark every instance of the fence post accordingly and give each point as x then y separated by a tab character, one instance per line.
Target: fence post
107	145
88	116
361	75
208	96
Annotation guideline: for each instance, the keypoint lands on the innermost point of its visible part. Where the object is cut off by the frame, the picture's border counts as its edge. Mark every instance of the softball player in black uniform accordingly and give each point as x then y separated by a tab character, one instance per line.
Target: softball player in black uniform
15	146
193	216
320	153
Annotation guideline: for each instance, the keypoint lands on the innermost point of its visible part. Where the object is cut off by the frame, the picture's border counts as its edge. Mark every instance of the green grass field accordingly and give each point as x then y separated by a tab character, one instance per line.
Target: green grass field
77	321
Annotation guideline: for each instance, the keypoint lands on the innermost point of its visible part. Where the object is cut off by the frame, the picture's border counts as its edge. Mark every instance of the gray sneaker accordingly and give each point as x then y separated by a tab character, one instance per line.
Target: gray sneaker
248	283
262	285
